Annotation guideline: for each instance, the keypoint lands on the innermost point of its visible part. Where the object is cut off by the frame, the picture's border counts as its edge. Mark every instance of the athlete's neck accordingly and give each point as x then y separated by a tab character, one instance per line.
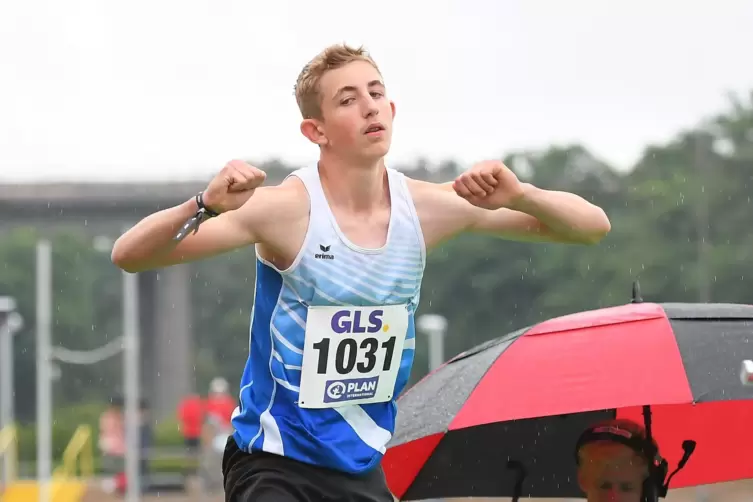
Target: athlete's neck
354	188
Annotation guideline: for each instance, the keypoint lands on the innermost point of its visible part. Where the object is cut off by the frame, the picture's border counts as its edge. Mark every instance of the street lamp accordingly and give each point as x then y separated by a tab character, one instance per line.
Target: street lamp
11	323
44	370
434	326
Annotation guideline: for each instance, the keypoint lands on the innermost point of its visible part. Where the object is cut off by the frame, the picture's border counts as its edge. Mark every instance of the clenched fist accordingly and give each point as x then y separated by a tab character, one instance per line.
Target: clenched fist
233	186
490	185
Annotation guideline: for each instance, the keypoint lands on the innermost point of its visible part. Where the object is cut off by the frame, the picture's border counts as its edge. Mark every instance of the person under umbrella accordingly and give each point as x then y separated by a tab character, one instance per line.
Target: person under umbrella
614	462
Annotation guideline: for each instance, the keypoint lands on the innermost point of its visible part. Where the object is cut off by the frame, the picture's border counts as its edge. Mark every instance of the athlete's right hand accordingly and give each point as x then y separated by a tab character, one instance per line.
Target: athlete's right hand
233	186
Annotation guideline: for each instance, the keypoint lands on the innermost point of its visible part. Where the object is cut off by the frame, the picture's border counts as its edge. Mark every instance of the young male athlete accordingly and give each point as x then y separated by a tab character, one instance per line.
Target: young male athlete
341	247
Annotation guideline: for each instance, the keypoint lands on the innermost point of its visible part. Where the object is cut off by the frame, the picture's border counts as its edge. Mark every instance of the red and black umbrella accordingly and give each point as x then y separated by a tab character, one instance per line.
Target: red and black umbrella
503	419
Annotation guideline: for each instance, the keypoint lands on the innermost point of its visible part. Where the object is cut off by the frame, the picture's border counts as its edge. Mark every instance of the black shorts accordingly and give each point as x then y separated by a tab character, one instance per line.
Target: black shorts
265	477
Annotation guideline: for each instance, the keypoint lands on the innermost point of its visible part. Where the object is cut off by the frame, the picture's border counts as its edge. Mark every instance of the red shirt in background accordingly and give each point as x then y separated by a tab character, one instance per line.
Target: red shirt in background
221	406
191	416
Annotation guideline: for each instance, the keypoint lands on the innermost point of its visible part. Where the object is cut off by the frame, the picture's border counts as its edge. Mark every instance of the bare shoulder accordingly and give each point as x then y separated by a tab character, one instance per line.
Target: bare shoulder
279	216
441	212
276	204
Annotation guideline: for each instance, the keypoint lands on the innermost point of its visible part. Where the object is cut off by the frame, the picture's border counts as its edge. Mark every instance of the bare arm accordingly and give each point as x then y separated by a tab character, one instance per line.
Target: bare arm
545	216
149	244
444	215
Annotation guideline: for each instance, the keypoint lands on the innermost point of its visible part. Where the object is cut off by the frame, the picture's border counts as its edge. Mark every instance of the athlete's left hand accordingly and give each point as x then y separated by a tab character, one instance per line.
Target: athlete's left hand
489	185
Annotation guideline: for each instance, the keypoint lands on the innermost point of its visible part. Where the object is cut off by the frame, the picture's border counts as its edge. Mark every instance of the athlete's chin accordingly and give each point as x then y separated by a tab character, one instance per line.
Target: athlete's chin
377	149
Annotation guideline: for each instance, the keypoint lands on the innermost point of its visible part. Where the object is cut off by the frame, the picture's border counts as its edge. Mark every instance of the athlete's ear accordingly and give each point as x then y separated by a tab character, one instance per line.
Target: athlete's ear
392	106
314	131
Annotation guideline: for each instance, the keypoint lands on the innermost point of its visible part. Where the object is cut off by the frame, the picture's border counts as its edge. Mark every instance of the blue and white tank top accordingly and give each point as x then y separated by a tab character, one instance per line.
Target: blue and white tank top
346	312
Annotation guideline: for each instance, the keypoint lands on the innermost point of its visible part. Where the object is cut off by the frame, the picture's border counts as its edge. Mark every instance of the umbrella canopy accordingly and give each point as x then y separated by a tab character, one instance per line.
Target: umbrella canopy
519	403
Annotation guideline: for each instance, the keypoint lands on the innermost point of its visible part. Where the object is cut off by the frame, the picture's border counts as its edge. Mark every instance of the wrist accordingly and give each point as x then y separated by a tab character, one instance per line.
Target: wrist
197	212
189	207
203	205
526	200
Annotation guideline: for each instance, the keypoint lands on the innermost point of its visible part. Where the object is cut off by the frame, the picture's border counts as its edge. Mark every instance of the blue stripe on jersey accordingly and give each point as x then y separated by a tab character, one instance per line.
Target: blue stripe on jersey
257	385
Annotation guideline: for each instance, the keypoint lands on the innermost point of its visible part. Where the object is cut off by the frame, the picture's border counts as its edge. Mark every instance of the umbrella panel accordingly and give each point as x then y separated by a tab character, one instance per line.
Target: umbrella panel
430	406
472	462
712	351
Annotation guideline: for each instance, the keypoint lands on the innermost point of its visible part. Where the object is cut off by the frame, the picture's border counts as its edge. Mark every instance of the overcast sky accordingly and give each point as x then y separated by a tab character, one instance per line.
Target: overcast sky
171	89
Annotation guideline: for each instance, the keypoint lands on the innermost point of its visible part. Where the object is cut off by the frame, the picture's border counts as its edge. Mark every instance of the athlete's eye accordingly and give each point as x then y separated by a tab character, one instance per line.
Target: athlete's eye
346	101
376	94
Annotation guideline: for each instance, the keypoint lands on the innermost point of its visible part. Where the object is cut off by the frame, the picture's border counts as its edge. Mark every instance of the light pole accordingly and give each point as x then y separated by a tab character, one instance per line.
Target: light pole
434	326
131	374
44	370
11	323
131	368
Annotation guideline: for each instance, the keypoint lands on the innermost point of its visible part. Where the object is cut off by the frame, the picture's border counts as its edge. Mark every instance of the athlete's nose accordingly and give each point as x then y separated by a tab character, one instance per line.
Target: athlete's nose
370	107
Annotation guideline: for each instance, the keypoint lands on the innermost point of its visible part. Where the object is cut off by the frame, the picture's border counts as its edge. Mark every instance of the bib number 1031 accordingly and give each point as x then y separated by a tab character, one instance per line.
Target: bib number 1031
351	354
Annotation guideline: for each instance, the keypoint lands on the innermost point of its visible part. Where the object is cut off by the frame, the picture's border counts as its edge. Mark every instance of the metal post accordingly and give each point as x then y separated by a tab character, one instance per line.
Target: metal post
7	308
10	323
6	393
435	327
131	377
6	376
44	380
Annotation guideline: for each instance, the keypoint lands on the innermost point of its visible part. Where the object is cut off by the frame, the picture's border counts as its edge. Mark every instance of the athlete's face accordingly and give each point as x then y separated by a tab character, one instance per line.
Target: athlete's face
611	472
357	117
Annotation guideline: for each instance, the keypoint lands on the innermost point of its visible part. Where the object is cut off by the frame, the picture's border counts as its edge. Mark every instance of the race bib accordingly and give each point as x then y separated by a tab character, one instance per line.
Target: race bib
351	355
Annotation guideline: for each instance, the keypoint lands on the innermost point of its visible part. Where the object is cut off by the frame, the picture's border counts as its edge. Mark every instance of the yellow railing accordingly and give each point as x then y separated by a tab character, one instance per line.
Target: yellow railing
78	459
78	456
9	452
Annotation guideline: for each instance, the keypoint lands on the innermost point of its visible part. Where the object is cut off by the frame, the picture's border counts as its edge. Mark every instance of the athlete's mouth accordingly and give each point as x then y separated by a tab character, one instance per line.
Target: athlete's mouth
374	128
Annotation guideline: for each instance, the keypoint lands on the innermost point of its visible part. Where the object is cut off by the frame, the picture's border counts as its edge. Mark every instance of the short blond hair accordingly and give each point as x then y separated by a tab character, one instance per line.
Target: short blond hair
307	85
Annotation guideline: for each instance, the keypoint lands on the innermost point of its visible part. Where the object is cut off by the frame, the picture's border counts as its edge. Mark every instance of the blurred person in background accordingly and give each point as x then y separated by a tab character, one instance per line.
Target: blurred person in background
219	409
146	436
119	484
220	404
112	436
613	461
191	419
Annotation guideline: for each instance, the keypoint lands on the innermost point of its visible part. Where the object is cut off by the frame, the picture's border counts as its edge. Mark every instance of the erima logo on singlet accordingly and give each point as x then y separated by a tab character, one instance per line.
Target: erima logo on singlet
324	255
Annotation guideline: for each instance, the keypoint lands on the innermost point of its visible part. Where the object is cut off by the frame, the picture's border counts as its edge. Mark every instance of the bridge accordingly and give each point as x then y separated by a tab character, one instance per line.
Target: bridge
105	209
